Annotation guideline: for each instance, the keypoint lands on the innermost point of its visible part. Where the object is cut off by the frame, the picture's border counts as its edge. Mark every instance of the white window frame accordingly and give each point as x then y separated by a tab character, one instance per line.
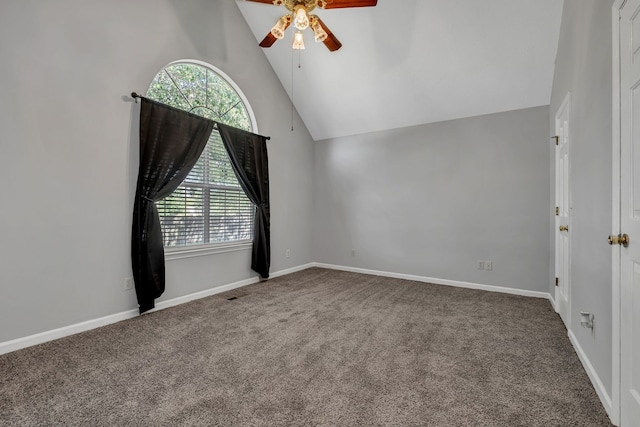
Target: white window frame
182	252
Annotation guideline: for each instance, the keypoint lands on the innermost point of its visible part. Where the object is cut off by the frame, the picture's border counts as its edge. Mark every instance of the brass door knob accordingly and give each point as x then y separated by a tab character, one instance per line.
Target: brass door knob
620	239
564	228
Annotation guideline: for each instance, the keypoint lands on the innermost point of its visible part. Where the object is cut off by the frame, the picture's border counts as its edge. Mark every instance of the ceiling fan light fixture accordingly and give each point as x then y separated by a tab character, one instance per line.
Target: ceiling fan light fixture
300	17
320	34
299	14
298	40
278	29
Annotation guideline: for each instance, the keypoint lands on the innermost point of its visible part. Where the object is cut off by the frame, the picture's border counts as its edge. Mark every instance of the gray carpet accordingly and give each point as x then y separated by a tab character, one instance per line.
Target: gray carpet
317	348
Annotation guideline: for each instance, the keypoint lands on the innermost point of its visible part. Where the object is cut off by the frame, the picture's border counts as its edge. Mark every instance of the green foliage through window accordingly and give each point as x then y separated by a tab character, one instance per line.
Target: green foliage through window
209	206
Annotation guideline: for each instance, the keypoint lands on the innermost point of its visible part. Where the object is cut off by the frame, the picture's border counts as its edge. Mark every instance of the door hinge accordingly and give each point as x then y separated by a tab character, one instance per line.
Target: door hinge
557	211
556	281
556	138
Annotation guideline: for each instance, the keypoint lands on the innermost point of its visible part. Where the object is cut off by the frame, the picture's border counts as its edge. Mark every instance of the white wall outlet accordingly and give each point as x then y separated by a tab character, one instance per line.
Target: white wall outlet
480	265
353	252
587	319
488	265
287	253
128	283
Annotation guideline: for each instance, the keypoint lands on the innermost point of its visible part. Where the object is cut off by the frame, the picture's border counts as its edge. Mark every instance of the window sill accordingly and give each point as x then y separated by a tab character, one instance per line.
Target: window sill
192	252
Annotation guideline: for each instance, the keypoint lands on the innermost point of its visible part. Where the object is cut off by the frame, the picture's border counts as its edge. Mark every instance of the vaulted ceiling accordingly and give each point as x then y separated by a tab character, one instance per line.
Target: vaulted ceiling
410	62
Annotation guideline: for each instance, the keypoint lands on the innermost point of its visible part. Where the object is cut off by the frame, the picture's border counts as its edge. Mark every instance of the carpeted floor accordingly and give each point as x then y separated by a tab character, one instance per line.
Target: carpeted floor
317	348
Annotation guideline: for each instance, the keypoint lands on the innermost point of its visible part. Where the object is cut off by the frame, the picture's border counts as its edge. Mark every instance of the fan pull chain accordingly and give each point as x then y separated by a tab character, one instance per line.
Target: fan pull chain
291	90
292	71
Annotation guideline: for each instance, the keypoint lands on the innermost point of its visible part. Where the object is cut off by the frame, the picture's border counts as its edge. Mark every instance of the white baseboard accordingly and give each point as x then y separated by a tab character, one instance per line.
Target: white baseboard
39	338
552	300
202	294
593	375
42	337
291	270
54	334
469	285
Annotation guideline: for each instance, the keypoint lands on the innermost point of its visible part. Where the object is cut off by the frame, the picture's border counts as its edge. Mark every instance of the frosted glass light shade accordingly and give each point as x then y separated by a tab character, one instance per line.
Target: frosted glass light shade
278	29
300	18
298	40
319	32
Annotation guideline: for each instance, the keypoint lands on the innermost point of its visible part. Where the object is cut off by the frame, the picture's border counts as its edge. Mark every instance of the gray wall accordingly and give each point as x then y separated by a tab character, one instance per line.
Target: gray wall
431	200
68	151
583	67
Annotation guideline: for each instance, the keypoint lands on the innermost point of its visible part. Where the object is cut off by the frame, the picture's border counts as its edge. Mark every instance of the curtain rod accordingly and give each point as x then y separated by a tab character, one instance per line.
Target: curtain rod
135	96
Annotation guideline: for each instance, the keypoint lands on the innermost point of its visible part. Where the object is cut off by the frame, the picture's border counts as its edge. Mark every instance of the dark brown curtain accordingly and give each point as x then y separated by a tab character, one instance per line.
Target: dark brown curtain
171	141
248	154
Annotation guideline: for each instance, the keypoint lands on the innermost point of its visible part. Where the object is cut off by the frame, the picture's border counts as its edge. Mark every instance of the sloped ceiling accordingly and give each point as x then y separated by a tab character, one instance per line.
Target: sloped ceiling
410	62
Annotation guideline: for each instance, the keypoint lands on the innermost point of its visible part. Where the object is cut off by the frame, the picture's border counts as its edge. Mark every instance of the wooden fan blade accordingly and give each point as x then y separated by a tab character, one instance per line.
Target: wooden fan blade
331	42
269	40
262	1
337	4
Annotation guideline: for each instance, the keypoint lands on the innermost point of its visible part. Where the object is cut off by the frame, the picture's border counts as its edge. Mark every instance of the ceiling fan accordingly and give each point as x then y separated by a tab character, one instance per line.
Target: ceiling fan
302	19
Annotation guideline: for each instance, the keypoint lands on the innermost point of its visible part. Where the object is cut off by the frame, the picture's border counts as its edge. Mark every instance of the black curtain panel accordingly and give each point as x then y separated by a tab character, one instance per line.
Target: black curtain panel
248	154
171	142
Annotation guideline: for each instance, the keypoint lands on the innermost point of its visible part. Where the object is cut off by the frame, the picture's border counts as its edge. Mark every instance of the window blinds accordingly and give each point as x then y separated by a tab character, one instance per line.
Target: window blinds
209	206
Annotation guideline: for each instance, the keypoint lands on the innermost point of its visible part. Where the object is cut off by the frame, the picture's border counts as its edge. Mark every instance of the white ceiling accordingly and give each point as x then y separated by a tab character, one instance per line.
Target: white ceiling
410	62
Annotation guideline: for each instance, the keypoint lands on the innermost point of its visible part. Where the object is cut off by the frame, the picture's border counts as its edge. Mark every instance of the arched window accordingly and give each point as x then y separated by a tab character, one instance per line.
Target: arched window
209	206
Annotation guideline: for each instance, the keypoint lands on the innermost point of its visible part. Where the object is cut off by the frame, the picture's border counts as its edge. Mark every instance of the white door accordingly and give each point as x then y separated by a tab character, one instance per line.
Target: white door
562	230
630	214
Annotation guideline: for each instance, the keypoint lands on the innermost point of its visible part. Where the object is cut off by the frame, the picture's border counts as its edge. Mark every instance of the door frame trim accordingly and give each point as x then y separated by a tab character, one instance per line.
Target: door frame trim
615	213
